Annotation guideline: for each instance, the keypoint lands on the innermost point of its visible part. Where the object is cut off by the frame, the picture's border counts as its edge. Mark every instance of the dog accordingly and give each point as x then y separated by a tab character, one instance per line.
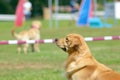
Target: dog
80	64
32	34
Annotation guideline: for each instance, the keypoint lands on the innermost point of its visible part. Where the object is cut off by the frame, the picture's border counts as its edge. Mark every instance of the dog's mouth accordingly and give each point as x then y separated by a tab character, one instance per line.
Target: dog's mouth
64	49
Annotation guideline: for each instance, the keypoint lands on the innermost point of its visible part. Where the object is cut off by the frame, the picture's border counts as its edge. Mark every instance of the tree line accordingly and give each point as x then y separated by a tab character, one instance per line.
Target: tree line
9	6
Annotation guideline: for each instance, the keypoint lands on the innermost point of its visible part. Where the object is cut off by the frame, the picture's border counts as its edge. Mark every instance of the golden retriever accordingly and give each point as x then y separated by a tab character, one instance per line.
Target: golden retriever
80	64
32	34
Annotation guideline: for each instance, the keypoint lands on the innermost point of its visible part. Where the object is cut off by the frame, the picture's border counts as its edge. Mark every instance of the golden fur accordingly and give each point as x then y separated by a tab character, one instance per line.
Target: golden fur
32	34
80	64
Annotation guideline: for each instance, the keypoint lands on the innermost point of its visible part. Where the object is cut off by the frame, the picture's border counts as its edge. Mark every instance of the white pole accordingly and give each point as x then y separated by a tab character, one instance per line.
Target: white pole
56	12
95	7
105	15
116	12
50	12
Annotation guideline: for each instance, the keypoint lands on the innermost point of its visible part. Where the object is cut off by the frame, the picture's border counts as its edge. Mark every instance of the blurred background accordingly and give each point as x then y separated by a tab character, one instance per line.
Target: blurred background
9	6
46	9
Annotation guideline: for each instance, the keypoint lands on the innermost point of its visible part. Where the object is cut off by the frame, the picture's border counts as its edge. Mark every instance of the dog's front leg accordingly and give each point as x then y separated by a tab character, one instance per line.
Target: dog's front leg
25	48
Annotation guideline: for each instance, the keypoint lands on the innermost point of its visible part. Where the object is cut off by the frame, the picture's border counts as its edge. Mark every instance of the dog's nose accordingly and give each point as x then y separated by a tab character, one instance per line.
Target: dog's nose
56	39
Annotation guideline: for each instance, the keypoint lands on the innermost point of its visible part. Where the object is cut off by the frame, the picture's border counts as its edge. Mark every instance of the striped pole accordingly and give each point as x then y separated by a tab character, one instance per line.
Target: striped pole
102	38
53	40
26	42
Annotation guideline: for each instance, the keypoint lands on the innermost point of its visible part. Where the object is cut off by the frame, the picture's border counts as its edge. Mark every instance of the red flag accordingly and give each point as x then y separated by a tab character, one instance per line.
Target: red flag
19	14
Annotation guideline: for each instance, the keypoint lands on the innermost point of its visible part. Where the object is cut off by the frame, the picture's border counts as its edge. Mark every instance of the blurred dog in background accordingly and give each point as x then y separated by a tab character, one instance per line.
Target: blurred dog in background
32	34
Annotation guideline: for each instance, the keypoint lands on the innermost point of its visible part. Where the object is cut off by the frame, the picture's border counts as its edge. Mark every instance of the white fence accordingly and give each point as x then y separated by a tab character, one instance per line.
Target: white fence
69	16
7	17
60	16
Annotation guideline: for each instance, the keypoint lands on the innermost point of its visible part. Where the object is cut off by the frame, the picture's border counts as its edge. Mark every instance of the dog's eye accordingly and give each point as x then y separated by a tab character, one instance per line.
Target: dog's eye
67	39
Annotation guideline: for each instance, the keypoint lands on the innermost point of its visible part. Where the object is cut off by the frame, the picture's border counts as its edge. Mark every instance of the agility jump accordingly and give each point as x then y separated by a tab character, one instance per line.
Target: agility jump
53	40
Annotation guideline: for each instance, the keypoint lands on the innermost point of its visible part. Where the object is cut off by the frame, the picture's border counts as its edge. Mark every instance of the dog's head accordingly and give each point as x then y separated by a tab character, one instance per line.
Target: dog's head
36	24
71	43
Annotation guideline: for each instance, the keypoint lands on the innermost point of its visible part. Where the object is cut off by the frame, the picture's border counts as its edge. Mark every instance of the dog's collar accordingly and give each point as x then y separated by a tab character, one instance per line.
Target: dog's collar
34	27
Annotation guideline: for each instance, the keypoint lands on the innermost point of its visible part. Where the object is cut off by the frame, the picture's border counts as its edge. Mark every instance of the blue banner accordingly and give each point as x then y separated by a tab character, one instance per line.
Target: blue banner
84	13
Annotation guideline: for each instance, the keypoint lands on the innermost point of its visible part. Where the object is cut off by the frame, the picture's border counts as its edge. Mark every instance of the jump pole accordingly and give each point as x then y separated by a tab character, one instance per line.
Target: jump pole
53	40
102	38
4	42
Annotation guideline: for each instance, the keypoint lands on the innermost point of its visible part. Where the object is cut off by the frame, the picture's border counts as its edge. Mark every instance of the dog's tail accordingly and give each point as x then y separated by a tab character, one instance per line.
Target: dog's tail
14	34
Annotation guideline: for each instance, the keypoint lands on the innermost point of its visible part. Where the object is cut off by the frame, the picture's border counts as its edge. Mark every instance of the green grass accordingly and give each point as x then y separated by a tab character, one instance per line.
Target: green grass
48	64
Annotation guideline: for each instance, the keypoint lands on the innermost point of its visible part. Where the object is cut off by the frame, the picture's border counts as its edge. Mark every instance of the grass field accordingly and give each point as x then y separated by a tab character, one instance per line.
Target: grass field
48	64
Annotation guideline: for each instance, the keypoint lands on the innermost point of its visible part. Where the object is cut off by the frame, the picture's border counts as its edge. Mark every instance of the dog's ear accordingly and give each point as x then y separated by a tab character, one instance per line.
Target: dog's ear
75	41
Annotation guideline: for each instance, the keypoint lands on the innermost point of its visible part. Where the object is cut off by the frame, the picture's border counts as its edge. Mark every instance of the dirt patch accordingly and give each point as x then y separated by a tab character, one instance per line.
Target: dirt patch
24	65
